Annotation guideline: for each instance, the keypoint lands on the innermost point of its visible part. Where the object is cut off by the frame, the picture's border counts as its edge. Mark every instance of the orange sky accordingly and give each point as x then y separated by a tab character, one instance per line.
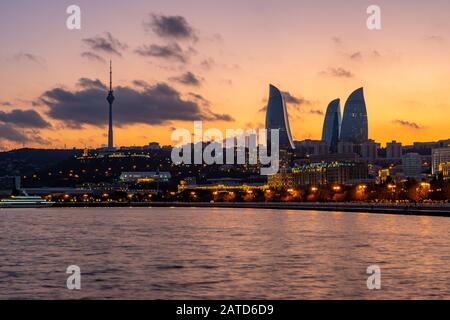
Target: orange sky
315	50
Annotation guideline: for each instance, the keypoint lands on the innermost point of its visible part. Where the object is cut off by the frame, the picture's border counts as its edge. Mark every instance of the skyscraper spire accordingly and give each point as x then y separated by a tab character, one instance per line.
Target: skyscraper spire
110	75
110	100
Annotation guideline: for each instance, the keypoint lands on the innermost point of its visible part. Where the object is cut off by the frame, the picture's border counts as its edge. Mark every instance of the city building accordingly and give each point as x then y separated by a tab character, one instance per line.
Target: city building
369	150
439	157
355	126
153	146
277	118
145	177
282	180
330	173
383	175
444	169
412	166
346	147
312	147
332	125
394	150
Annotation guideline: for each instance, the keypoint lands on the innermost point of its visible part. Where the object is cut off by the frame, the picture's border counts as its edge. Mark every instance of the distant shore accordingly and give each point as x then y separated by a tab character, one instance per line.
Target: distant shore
439	210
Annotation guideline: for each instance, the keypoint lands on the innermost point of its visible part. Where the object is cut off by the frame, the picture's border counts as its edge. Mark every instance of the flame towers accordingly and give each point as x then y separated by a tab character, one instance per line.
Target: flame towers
277	118
354	126
110	100
332	125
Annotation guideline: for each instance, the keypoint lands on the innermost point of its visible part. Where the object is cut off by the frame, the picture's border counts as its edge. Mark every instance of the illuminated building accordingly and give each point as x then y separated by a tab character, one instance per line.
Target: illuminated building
282	180
330	173
145	177
439	156
444	168
354	126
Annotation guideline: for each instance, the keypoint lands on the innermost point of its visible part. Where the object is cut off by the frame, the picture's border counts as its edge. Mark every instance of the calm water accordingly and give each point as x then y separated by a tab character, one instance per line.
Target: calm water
163	253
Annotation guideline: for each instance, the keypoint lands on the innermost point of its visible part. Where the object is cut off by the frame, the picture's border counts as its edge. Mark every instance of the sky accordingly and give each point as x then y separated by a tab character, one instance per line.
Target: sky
176	62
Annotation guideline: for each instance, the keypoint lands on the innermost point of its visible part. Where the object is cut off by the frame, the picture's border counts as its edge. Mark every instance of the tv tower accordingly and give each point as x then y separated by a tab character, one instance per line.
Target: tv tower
110	99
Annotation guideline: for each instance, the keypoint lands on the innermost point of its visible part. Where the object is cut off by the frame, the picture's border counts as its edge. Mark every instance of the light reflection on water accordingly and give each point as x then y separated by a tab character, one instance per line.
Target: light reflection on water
189	253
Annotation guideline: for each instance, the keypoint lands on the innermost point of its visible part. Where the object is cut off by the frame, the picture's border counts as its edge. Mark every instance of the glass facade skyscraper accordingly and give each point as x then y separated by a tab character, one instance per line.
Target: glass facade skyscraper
354	126
277	118
332	125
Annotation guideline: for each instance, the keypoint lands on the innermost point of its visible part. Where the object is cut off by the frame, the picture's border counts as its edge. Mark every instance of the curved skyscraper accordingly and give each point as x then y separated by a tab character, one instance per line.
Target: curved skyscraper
354	126
277	118
332	125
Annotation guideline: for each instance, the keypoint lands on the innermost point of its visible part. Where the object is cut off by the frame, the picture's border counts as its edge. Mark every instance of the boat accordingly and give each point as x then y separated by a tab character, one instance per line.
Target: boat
25	201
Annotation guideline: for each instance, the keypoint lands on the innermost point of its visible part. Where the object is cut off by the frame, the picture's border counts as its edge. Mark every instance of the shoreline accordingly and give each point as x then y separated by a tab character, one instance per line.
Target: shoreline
411	210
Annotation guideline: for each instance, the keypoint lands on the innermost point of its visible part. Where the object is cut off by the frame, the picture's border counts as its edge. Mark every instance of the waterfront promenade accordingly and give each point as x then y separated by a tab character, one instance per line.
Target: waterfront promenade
442	210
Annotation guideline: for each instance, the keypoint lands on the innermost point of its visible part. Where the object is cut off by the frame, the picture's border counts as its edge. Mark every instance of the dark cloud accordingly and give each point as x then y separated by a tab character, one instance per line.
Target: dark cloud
24	118
356	55
338	73
171	52
408	124
106	44
174	27
5	103
290	99
87	83
8	132
317	112
188	79
93	57
28	57
199	98
375	54
141	83
153	105
11	133
208	63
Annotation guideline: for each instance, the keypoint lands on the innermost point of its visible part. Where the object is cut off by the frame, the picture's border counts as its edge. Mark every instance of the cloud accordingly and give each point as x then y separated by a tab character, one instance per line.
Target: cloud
171	52
173	27
10	133
5	103
290	99
337	72
200	99
141	83
87	83
93	57
356	55
28	57
24	118
188	78
436	38
316	112
153	105
337	41
106	44
408	124
208	63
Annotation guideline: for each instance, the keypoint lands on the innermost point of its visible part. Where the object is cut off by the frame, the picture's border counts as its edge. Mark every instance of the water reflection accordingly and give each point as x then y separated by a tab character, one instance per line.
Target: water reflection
176	253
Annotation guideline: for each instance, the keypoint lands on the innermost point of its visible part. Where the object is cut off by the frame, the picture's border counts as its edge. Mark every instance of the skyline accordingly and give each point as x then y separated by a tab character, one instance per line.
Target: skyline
208	69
